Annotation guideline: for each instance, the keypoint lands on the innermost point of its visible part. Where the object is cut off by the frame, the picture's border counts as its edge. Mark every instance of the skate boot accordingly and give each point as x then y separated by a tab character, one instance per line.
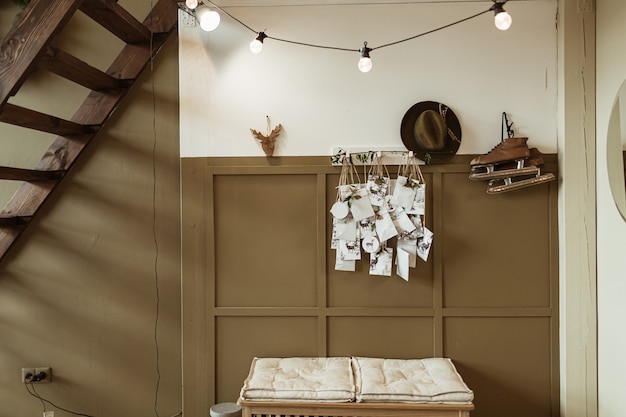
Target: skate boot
490	165
517	181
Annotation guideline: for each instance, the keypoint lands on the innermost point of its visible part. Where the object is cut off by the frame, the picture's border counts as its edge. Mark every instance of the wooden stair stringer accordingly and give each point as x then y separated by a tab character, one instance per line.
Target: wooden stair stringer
95	110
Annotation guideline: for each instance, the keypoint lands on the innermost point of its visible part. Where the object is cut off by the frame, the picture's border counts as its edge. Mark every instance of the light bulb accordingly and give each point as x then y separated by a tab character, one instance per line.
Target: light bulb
256	45
503	20
192	4
365	64
209	19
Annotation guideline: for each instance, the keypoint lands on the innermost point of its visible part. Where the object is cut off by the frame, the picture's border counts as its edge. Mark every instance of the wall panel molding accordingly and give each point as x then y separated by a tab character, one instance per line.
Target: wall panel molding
268	275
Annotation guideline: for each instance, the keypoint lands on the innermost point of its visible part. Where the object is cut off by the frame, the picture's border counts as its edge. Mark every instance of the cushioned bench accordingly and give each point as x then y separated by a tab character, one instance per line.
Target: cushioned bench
354	387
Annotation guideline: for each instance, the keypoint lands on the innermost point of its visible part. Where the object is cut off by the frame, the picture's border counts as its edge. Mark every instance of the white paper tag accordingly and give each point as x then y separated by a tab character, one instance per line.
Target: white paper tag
419	202
402	264
409	246
384	226
344	265
381	262
370	244
340	209
424	243
377	188
401	221
360	205
349	250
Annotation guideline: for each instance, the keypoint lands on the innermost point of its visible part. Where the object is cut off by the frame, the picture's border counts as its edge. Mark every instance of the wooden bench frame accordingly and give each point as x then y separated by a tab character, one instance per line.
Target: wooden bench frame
351	409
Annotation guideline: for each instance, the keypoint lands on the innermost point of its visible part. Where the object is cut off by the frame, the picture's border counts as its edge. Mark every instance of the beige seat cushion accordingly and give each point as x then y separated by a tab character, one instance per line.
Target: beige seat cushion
430	380
300	379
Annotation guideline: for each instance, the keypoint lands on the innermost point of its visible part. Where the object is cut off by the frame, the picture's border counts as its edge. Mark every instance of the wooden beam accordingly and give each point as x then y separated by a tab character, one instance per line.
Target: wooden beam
116	20
21	174
71	68
26	42
8	235
32	119
95	110
12	221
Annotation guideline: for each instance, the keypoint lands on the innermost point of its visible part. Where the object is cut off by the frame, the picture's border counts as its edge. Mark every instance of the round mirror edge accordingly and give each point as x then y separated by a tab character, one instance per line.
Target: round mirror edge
615	151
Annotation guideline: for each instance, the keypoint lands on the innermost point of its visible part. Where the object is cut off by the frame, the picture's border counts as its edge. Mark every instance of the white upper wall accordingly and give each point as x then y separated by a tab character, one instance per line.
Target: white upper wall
323	101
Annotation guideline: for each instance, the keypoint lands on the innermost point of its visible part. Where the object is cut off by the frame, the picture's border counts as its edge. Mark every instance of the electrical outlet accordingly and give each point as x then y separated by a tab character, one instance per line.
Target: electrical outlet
47	370
48	414
29	373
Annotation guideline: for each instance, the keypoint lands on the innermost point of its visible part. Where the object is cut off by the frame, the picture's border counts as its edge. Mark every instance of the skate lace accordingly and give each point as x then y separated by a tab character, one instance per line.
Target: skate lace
497	146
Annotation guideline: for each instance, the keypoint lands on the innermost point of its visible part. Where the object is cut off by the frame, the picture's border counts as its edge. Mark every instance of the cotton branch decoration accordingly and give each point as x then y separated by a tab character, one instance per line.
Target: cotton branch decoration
268	140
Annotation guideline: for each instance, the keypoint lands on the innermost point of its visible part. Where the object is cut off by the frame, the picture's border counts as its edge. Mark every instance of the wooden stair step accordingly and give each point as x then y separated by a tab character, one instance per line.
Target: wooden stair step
22	174
12	221
22	47
71	68
31	119
116	20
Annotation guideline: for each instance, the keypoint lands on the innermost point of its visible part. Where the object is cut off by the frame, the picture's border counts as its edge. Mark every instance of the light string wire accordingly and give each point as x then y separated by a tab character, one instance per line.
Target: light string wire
490	9
154	218
35	394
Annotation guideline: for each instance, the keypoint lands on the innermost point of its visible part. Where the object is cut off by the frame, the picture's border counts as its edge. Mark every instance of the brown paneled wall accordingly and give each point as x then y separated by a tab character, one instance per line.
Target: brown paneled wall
259	280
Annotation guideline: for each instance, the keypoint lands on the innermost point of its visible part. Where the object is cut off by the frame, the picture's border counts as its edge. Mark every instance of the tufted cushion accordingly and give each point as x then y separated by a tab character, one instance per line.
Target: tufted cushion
431	380
300	379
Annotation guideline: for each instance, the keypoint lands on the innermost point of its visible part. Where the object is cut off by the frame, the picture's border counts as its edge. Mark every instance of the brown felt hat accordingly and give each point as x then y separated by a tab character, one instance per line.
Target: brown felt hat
432	131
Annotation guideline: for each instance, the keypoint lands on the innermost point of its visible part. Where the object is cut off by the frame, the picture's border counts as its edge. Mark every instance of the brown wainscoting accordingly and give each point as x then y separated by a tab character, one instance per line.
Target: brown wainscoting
259	280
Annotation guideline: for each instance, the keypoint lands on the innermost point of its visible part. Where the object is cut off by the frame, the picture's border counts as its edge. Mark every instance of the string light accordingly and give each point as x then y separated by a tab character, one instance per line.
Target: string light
256	45
365	63
209	19
502	20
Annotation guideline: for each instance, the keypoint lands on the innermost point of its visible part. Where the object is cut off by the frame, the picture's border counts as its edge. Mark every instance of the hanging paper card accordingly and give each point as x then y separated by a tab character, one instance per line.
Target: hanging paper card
385	228
346	186
343	264
360	205
370	244
415	233
402	264
419	227
345	191
403	193
377	184
409	246
349	250
401	221
346	229
424	243
334	239
340	209
381	262
392	187
366	227
377	187
388	205
419	203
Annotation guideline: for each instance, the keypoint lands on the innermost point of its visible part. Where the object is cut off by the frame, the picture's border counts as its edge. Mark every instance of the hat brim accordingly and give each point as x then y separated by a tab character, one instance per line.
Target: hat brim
412	143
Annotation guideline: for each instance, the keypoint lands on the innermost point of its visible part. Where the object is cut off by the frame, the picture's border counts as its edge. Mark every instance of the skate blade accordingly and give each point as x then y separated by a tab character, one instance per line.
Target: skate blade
505	173
509	185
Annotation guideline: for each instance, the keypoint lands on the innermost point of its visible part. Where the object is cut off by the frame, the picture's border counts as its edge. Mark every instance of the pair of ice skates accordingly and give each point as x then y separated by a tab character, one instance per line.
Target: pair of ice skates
509	166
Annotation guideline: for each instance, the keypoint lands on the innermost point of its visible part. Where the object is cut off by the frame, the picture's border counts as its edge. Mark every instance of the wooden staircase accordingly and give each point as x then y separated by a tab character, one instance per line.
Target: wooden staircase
28	46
